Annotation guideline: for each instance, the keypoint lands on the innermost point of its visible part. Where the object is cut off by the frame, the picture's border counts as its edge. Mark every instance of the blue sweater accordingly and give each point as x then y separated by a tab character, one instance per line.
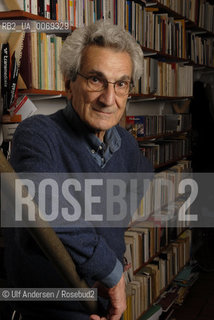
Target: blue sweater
62	143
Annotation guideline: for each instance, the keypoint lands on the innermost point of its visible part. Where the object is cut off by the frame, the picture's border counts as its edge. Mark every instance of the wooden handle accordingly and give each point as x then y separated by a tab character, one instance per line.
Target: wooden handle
50	244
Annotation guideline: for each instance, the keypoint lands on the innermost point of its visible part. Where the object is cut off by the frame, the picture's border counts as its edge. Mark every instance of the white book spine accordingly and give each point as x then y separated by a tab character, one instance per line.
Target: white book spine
81	13
47	9
34	7
27	5
71	10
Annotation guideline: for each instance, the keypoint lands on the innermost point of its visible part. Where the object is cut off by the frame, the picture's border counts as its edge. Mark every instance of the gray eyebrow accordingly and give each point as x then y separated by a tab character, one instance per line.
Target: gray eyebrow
101	74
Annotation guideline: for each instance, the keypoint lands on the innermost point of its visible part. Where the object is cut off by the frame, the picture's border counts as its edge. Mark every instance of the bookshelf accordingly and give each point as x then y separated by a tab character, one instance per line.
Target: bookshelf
140	106
42	92
150	43
179	21
20	14
165	258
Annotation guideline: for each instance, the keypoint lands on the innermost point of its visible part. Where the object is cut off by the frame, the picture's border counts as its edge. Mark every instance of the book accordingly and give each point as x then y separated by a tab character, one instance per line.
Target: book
34	7
53	9
153	313
41	8
136	125
135	247
128	262
153	76
26	61
34	59
15	4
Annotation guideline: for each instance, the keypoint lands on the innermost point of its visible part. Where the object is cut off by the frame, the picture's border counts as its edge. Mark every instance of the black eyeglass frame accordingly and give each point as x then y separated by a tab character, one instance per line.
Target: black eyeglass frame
106	82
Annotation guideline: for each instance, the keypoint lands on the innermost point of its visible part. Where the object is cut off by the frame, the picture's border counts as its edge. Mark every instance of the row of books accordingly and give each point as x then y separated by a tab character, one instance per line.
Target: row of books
199	11
206	15
161	192
165	79
186	8
152	125
77	12
51	9
200	49
146	239
174	80
145	286
166	150
173	297
86	11
176	293
151	29
39	64
40	69
156	31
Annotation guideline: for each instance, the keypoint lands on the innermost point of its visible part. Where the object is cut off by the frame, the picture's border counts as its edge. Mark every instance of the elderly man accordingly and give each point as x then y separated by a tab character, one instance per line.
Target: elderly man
100	64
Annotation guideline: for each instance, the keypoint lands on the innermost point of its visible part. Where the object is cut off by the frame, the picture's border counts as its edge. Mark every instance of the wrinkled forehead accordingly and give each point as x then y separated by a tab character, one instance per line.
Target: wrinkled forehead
106	59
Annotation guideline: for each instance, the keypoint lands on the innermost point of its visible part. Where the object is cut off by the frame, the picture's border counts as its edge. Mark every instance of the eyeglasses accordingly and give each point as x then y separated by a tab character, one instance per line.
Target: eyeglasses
97	84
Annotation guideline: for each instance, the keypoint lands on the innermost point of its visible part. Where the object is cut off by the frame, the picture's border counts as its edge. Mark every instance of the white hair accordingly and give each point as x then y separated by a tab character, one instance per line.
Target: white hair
101	33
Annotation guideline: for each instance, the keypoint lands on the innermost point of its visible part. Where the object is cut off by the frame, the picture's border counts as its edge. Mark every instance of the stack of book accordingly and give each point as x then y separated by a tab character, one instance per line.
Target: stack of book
161	192
187	277
166	79
39	64
153	125
164	151
200	12
145	285
200	49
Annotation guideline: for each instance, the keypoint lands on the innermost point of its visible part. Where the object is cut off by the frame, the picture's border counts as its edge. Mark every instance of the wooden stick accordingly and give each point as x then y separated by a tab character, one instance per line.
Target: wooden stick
49	242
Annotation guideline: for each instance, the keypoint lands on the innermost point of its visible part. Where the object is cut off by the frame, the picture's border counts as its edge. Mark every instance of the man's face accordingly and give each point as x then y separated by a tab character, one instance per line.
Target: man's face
101	110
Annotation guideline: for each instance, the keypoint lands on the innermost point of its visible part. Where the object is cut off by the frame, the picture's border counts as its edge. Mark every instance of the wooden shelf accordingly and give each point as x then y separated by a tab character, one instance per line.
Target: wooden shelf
159	54
172	13
19	15
203	66
169	163
42	92
172	98
162	135
192	25
138	96
189	23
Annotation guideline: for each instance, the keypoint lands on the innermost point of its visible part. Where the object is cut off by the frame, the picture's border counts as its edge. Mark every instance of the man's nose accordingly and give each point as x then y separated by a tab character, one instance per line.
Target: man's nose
107	96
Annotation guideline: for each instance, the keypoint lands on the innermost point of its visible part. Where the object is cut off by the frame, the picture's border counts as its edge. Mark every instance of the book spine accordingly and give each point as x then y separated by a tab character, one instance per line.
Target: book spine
47	9
41	10
34	7
26	61
27	5
34	54
53	9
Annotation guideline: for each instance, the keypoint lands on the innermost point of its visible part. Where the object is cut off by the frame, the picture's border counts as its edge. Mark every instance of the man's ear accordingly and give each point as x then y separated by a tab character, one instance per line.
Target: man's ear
68	89
67	84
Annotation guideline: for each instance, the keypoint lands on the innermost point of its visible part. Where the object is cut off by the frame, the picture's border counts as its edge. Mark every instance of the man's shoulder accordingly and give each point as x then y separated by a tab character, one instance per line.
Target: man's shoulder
39	122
